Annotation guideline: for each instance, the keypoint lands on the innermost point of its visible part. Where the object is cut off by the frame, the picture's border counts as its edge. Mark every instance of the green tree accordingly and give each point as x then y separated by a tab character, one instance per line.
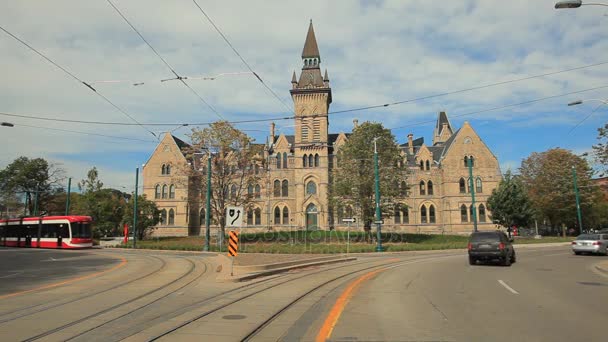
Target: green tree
25	176
601	149
147	219
509	202
548	179
234	155
353	178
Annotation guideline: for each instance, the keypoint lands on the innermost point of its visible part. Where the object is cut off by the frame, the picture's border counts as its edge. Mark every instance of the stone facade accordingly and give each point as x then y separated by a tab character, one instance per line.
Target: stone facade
294	184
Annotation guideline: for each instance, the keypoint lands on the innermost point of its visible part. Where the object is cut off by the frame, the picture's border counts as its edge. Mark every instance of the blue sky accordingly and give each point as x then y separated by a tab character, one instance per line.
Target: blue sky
375	52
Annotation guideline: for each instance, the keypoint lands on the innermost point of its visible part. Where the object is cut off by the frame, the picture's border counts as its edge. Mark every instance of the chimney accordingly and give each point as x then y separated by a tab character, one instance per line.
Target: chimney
272	132
355	124
410	143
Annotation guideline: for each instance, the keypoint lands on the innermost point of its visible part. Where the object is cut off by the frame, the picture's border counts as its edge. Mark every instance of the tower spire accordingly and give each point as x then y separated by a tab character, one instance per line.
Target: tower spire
311	49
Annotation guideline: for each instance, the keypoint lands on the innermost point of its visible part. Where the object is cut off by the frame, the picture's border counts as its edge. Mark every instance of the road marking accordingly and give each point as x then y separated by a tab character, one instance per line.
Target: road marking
122	263
11	275
507	287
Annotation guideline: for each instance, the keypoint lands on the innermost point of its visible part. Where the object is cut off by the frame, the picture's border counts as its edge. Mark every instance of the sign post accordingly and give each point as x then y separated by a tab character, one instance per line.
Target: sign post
234	219
349	221
233	247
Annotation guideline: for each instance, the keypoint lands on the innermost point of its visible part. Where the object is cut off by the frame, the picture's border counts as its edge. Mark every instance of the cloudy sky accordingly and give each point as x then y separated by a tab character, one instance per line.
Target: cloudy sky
376	52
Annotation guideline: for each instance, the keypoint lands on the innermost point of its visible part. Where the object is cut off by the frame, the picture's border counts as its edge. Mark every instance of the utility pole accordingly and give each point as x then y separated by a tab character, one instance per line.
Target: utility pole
36	201
135	208
378	211
472	187
208	206
27	197
67	199
578	201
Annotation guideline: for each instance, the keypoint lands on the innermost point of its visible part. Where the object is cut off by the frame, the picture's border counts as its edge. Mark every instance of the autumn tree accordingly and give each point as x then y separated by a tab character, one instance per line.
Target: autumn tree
601	149
232	171
28	176
147	219
548	178
509	202
353	178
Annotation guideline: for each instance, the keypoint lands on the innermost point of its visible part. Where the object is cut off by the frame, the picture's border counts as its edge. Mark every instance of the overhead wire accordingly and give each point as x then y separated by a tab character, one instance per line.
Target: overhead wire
77	79
86	133
177	76
241	57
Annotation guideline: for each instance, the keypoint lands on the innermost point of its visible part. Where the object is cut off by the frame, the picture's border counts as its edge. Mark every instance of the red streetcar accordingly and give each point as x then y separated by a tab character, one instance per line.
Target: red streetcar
47	232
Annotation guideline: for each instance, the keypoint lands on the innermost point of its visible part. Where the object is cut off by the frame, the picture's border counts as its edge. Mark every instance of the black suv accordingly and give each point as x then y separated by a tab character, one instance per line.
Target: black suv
489	246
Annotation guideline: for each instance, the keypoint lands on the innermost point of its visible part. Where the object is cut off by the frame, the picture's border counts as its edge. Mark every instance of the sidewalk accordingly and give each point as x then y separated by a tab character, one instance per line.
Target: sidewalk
602	267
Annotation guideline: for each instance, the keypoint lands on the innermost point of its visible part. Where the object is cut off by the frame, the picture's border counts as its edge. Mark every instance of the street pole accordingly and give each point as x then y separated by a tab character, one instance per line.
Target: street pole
578	202
208	206
27	197
471	185
378	212
135	208
36	201
67	199
348	238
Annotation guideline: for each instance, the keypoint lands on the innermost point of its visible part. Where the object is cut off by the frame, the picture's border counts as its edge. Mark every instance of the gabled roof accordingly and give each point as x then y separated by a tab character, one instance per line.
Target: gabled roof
311	50
180	143
415	142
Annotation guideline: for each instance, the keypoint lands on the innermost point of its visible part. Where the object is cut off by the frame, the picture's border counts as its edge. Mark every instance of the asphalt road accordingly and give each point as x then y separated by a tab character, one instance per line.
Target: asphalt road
548	295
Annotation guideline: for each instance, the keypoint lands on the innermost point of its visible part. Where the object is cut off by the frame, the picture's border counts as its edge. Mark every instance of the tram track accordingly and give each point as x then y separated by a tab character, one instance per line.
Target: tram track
84	296
266	322
118	305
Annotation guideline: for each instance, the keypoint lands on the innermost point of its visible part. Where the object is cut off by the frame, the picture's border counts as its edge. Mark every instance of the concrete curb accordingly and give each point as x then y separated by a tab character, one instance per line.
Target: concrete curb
602	267
268	269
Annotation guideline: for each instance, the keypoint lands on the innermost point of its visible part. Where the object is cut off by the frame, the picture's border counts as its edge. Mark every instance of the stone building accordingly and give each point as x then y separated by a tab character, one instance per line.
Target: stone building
293	191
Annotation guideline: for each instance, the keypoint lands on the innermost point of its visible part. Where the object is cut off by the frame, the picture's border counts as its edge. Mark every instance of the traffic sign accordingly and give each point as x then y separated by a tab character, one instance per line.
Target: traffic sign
234	216
379	222
351	220
233	243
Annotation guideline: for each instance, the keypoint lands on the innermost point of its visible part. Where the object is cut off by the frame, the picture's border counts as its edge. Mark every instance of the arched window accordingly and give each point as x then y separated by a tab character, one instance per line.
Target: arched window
340	215
421	165
277	215
171	217
305	161
163	170
482	213
432	214
168	169
349	211
463	213
403	189
233	191
201	217
397	218
471	210
478	187
428	165
249	217
258	216
278	160
311	188
462	185
277	188
422	188
250	190
311	160
285	215
423	217
472	161
429	187
163	217
284	160
285	188
258	192
406	215
316	160
157	191
172	191
257	169
164	191
466	161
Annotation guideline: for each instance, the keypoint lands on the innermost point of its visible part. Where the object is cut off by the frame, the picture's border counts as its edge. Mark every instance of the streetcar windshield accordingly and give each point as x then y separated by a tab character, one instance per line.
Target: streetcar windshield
81	230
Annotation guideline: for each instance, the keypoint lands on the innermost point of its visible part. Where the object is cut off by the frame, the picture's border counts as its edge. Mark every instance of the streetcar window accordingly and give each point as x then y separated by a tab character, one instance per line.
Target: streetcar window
13	230
81	230
48	231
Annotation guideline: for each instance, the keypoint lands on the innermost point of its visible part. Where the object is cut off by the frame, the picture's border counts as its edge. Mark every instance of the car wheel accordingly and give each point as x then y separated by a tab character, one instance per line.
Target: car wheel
513	258
507	261
577	253
472	261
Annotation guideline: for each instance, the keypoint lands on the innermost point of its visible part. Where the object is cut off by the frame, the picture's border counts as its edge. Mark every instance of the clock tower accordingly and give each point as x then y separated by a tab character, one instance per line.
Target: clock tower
311	96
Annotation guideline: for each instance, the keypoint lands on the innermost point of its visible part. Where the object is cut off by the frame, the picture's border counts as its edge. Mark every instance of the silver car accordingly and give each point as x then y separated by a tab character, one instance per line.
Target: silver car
591	243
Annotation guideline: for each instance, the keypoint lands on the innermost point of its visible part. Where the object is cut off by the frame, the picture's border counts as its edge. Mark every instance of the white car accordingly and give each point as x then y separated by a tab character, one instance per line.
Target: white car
591	243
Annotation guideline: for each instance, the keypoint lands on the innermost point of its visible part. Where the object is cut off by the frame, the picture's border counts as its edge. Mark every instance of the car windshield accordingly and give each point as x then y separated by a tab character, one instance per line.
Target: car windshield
489	236
81	230
588	237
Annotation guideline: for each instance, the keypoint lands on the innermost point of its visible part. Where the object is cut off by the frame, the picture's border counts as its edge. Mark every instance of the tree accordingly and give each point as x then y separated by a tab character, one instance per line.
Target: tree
28	176
353	179
601	149
234	155
147	219
548	179
509	202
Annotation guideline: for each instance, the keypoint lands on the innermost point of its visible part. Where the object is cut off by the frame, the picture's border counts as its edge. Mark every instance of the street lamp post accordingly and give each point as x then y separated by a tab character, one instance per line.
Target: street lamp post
208	206
7	124
378	211
67	199
135	209
578	201
472	186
